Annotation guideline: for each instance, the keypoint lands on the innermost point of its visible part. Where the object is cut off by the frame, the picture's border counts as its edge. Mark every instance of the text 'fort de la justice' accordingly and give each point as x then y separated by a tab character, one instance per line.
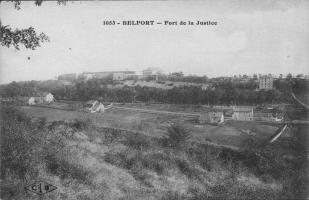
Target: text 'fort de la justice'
164	23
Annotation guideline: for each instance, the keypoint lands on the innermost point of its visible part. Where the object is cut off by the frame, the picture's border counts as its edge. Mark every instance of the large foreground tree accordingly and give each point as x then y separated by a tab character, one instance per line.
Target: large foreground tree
27	37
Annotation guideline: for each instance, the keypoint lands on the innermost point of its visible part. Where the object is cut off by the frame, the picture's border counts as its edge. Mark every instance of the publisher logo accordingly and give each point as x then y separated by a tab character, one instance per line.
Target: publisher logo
40	187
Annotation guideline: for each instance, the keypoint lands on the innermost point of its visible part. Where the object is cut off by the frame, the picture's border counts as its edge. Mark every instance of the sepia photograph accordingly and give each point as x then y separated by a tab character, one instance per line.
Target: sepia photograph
154	100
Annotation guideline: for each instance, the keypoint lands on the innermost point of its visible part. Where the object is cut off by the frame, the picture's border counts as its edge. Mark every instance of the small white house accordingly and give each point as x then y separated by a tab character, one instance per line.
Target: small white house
31	101
242	113
98	108
118	76
95	106
212	117
35	100
49	98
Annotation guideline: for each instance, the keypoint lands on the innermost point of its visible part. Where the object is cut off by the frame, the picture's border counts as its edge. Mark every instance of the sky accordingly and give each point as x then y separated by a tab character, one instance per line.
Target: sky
256	36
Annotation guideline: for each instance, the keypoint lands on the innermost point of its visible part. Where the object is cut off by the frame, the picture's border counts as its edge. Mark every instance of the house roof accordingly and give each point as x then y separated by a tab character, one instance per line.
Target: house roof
91	102
110	72
97	105
36	97
242	109
211	115
216	114
262	114
43	94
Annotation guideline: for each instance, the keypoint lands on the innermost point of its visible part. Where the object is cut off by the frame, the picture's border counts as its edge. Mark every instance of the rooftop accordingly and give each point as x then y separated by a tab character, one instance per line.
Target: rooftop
109	72
242	109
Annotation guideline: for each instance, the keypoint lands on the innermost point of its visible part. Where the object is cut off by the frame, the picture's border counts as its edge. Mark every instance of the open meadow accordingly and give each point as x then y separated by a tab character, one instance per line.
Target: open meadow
154	124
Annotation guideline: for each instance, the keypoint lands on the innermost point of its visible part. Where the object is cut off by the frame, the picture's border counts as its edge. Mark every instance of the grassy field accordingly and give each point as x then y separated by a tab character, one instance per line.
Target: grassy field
144	156
231	133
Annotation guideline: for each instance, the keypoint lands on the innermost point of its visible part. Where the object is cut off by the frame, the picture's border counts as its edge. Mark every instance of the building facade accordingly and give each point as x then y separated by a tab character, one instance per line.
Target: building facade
212	117
150	74
67	77
115	75
122	75
242	113
266	83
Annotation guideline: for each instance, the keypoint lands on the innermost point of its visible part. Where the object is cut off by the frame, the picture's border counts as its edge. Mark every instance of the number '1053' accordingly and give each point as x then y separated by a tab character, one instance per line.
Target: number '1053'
109	22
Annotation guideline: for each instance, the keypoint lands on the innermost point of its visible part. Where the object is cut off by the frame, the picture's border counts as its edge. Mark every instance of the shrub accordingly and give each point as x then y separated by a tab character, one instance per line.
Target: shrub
202	155
41	122
185	168
120	159
19	143
79	124
137	141
140	175
198	194
177	135
27	146
64	169
172	195
110	135
156	162
10	113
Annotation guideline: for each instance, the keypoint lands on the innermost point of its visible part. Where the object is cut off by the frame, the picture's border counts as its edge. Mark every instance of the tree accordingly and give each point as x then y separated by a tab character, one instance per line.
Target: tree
299	75
27	37
177	74
177	135
288	76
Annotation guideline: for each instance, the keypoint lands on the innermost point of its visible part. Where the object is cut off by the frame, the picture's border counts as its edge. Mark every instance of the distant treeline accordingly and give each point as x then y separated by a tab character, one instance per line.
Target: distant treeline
225	92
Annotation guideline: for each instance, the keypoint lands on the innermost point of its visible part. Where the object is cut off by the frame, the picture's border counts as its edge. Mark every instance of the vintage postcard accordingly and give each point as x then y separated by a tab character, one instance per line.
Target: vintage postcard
154	100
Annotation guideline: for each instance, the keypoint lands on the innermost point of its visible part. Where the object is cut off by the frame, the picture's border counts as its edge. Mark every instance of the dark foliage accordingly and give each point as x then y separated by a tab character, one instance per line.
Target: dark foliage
221	92
172	195
27	146
27	37
64	169
137	141
177	135
18	143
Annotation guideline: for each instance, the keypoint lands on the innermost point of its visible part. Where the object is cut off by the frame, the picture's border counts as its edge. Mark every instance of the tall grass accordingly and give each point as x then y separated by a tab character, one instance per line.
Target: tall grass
195	160
28	147
137	141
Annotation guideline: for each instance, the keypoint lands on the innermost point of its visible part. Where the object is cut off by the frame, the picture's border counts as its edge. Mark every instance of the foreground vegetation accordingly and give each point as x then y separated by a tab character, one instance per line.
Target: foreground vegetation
86	162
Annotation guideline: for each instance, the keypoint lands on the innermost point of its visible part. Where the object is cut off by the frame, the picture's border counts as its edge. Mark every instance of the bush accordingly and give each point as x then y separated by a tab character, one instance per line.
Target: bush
110	135
64	169
185	168
140	175
156	162
202	155
172	195
137	141
41	122
10	113
19	143
26	147
177	135
79	124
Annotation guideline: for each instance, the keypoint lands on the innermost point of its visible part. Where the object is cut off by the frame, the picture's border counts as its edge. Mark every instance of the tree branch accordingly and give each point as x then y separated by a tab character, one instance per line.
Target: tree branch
28	37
